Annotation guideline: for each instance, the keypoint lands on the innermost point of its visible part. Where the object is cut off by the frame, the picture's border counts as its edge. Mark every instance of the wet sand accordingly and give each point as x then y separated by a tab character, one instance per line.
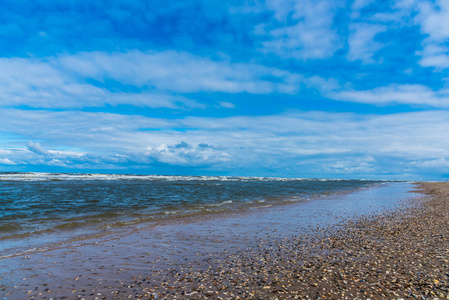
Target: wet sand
312	250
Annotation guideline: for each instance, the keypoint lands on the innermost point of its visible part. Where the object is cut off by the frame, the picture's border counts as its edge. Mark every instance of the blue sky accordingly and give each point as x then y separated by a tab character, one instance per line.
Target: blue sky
305	88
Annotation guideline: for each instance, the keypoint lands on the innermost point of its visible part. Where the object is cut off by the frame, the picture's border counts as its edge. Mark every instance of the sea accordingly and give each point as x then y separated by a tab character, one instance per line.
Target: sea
55	206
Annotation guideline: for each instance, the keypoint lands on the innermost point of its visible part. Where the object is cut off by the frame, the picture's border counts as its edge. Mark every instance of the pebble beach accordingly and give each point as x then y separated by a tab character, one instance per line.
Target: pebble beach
397	255
401	253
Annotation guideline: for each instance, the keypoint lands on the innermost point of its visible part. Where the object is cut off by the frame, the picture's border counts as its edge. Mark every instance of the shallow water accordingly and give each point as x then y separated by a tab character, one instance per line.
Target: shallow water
34	204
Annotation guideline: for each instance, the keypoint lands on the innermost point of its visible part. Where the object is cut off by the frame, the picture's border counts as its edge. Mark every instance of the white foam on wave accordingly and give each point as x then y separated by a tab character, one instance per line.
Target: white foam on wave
35	176
24	252
173	212
221	203
263	206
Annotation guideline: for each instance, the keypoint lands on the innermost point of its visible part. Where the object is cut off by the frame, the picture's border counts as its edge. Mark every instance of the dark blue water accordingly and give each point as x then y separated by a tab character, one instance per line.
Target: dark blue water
39	203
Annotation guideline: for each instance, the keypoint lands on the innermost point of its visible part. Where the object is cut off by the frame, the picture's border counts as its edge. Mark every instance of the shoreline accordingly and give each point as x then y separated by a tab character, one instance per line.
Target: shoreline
115	228
139	207
399	254
274	264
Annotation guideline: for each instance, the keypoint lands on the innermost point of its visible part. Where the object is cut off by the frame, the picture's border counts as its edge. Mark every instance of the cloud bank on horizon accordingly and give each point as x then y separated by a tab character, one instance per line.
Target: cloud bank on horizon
304	88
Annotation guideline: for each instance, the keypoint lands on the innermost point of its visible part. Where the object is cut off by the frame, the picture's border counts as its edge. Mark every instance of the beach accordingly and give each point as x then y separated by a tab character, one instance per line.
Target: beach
382	242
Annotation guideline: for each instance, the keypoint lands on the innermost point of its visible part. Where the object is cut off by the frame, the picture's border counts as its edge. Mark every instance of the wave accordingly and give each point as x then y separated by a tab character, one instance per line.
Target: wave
221	203
37	176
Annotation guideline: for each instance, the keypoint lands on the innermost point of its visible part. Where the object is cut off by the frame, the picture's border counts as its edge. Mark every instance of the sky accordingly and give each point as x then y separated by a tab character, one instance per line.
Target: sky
305	88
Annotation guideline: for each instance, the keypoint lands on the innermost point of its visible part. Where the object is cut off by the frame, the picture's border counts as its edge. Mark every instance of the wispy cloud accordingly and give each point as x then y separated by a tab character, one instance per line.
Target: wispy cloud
37	148
300	29
359	4
433	18
6	161
161	77
41	83
179	72
433	164
396	94
362	44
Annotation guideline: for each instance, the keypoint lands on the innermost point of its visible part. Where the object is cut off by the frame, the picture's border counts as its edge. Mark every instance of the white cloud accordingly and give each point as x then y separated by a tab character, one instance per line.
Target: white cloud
351	144
311	35
434	20
358	165
37	148
226	104
178	72
185	154
405	4
391	13
431	164
37	155
434	55
359	4
6	161
63	82
361	40
42	84
396	94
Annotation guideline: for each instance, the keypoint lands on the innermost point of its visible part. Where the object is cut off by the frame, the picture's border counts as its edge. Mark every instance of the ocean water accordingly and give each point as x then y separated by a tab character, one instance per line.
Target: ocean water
51	204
